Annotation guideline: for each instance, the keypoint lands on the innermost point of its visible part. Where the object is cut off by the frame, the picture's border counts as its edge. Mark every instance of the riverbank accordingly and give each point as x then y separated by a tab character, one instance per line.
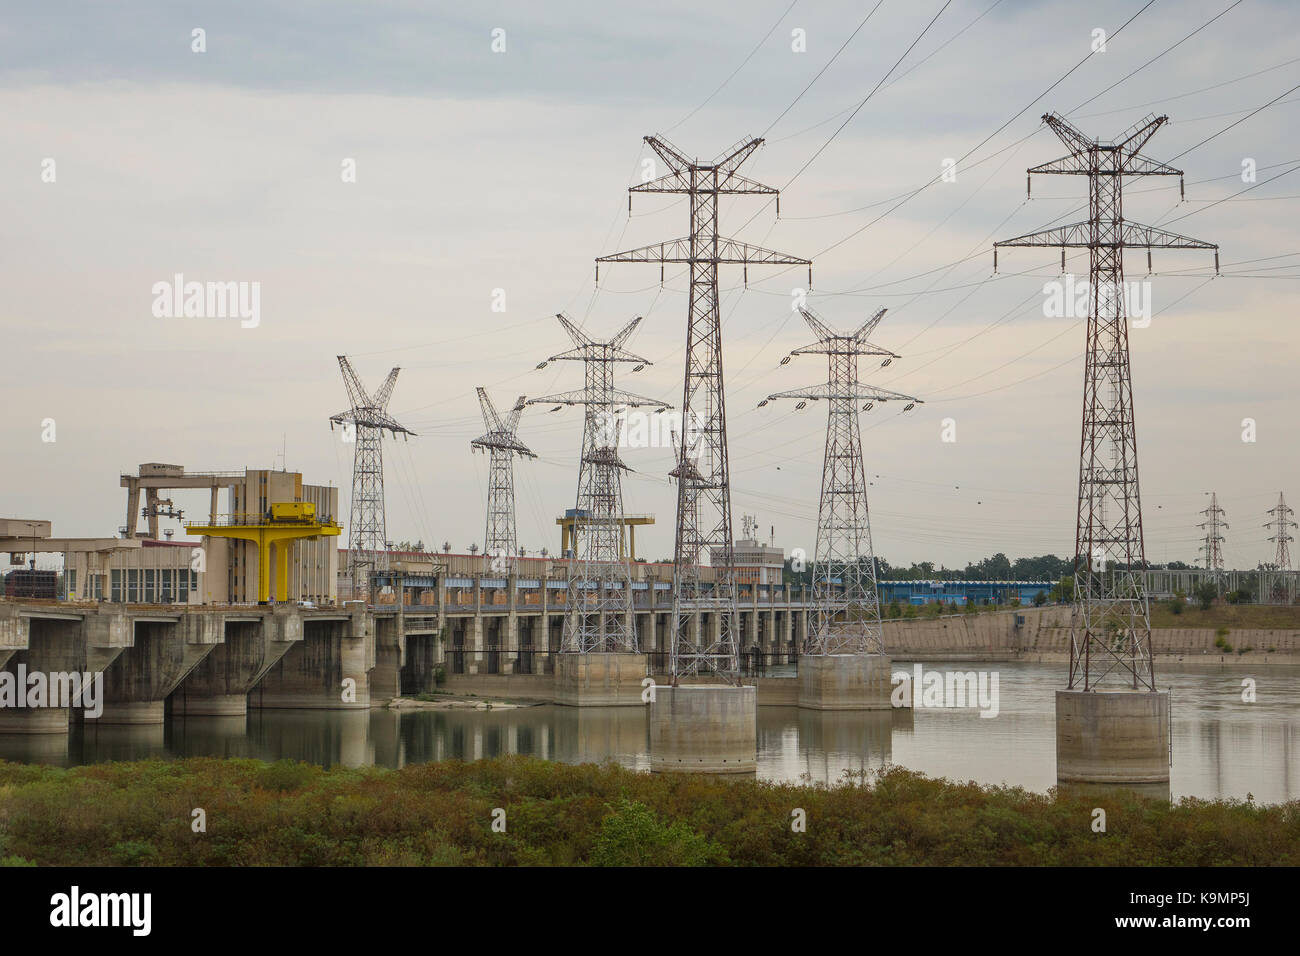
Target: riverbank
287	813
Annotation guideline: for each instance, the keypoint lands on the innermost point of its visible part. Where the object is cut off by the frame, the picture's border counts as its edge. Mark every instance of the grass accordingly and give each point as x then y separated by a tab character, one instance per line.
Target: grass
1233	616
290	813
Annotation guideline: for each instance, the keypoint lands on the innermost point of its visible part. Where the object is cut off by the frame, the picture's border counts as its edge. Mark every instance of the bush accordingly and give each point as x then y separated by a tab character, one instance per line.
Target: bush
1040	599
564	815
1206	593
633	836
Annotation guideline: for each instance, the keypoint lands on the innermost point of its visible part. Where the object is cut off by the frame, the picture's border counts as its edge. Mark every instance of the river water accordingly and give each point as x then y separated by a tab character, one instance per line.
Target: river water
1222	746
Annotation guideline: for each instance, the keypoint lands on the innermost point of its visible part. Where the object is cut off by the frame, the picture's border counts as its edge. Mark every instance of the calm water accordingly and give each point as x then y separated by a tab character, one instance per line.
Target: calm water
1222	747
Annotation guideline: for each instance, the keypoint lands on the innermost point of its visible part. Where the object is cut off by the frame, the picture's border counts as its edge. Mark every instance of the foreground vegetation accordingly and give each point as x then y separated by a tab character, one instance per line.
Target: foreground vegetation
290	813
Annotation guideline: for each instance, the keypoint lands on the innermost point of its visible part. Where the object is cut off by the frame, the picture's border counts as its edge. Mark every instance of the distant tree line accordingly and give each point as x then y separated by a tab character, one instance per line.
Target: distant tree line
1046	567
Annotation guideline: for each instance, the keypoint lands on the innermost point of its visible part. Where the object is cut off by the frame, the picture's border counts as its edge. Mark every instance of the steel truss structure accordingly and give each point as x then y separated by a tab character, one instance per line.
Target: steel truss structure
1280	526
847	605
703	530
369	418
1110	642
1214	526
598	609
501	443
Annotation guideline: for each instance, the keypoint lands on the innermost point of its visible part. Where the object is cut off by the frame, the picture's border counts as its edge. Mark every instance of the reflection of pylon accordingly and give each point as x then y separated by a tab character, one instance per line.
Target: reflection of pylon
1213	525
703	482
598	614
1280	526
502	444
847	617
1110	631
367	537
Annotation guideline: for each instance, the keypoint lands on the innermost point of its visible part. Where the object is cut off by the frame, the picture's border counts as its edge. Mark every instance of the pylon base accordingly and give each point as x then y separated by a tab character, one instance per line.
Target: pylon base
704	728
600	679
844	682
1112	737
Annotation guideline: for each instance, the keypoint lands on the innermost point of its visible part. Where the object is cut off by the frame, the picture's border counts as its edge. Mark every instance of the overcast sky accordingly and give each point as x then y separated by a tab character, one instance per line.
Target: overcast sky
479	170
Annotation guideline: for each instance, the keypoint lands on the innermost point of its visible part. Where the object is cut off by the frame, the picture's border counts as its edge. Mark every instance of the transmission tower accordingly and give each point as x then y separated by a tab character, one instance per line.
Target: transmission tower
1280	526
703	482
502	444
1214	526
1110	641
598	613
847	618
369	419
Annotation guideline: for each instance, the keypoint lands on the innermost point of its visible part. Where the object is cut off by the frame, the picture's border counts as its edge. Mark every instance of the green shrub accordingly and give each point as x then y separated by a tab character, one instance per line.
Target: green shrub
633	836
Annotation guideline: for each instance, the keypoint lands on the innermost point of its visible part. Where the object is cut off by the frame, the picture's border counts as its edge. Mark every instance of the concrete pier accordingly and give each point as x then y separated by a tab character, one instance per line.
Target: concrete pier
61	644
219	685
844	682
704	728
137	683
600	679
1112	737
329	669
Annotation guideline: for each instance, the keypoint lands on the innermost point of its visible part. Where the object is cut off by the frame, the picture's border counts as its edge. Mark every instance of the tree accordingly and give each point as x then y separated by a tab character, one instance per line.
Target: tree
1040	599
1063	590
1205	593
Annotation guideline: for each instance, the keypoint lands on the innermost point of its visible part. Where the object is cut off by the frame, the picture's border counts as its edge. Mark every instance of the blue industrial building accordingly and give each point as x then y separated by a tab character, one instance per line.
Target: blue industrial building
961	592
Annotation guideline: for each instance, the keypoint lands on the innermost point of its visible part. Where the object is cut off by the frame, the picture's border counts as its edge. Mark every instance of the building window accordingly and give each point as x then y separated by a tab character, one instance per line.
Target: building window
115	586
132	586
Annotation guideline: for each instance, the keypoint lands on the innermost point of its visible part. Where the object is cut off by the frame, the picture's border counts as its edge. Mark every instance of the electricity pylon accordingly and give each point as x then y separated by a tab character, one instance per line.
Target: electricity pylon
502	444
598	611
1110	628
1280	526
847	618
703	481
1213	525
369	419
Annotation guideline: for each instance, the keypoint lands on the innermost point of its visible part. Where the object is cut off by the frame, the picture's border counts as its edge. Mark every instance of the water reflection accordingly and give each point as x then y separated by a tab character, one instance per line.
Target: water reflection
1223	746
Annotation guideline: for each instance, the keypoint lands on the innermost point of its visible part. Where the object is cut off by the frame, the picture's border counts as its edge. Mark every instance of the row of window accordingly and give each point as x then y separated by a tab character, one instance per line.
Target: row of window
153	585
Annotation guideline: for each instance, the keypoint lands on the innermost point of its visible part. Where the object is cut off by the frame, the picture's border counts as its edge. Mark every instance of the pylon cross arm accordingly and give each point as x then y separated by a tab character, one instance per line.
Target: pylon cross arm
1136	235
728	251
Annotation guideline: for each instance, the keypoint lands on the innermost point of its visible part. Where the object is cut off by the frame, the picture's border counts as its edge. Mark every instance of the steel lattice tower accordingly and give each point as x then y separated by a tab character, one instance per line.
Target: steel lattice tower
847	618
367	537
1110	641
502	444
703	481
1213	525
1280	526
603	620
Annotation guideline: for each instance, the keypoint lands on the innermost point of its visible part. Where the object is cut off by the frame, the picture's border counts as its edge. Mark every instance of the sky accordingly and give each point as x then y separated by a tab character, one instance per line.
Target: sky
487	181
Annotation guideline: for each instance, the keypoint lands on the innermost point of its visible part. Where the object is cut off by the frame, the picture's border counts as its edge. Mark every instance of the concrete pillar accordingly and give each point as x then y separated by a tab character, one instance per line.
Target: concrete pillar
1112	737
600	679
510	637
474	633
329	669
703	728
57	647
219	685
15	631
390	657
137	684
844	682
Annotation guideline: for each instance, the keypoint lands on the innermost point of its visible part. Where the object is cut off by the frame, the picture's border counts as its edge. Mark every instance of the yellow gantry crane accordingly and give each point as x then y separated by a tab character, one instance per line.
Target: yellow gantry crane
284	523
